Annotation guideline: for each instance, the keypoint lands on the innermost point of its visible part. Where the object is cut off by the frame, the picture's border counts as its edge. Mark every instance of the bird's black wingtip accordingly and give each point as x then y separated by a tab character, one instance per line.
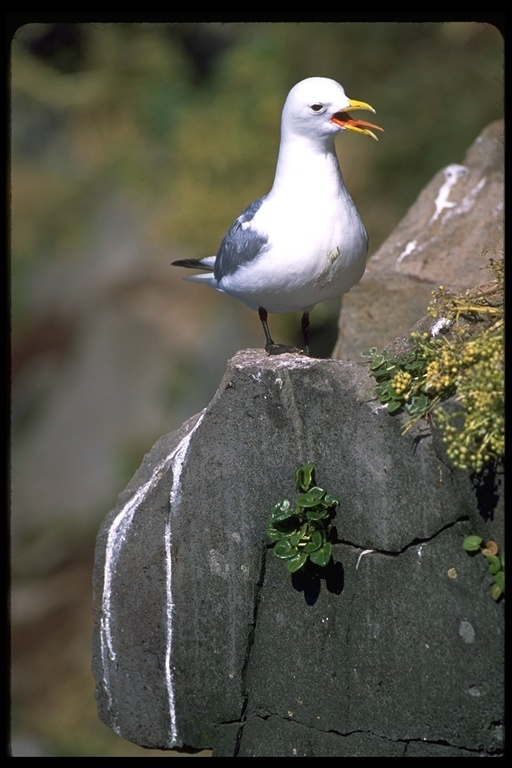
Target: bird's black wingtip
182	263
190	264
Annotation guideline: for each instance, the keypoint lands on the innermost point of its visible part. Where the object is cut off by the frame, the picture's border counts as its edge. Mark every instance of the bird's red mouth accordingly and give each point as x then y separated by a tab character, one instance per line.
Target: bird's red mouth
344	120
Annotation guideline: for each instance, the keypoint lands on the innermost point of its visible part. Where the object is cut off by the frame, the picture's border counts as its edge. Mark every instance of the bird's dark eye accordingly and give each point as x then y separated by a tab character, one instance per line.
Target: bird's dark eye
317	107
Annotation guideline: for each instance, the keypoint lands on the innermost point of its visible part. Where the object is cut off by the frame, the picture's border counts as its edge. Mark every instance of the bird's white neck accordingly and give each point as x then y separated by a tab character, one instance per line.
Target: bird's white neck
306	165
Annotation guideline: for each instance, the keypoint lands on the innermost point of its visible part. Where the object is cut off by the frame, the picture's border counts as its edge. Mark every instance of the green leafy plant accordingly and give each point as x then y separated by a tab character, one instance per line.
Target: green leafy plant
300	531
400	377
495	561
464	362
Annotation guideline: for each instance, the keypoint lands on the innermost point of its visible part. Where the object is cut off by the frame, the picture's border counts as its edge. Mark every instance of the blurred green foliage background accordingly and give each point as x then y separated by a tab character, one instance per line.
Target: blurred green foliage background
181	120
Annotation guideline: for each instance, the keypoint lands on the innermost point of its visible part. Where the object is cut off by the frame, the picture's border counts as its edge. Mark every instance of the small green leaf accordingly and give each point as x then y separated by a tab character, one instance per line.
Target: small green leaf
304	477
472	543
382	387
377	362
394	405
311	498
272	534
499	579
284	549
418	405
294	563
494	564
314	543
282	511
322	556
317	513
331	500
496	591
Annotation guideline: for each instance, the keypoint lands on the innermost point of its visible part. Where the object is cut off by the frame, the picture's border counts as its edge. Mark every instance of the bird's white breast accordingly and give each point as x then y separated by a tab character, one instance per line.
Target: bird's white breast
316	251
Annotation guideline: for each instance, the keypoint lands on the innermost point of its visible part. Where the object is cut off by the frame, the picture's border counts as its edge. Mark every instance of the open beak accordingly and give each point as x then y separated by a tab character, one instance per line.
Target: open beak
344	120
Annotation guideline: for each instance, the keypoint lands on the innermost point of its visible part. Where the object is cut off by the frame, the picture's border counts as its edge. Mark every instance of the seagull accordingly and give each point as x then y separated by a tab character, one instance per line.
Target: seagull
303	242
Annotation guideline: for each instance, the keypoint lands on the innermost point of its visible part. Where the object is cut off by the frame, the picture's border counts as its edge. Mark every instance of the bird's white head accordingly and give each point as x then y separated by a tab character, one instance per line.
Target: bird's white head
318	108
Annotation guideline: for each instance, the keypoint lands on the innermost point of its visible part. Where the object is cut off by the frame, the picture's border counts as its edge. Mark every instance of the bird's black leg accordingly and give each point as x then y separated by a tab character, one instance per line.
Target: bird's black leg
270	347
263	317
305	331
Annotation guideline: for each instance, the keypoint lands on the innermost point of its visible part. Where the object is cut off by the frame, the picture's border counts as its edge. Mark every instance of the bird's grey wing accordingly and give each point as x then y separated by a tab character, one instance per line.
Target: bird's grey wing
242	243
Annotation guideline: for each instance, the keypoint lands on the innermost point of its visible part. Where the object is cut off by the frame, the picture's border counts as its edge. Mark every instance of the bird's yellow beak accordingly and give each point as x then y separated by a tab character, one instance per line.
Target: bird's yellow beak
344	120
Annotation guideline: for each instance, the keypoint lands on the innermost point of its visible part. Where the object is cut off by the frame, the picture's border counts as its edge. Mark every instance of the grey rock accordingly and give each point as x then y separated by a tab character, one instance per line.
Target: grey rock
446	238
203	639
